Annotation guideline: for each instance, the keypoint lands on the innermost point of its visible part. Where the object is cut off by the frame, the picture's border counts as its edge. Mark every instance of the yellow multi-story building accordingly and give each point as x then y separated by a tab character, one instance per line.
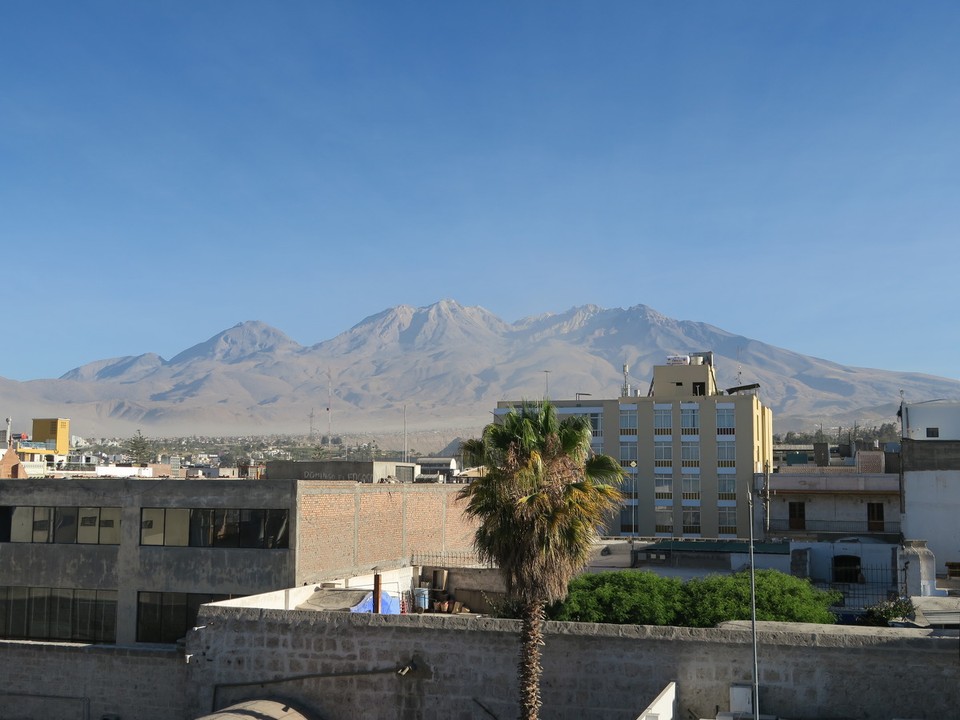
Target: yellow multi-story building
55	431
690	451
48	445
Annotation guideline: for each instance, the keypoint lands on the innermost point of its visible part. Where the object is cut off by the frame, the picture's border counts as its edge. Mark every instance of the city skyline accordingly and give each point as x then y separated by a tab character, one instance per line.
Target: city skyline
786	173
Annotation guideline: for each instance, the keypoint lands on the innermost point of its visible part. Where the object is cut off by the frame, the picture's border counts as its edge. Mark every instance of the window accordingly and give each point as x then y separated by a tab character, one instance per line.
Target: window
689	420
798	515
662	455
64	614
663	519
690	454
629	486
165	617
628	422
699	389
726	454
596	425
727	487
846	569
727	520
691	487
663	488
933	432
627	520
662	421
205	527
875	517
691	520
628	454
63	525
726	422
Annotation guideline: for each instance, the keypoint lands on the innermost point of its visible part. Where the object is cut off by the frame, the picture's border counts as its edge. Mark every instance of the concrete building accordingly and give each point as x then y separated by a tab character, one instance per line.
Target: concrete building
689	450
930	470
131	560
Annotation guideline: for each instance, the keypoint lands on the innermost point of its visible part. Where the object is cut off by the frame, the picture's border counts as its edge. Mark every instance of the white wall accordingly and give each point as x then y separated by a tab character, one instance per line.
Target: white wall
932	512
941	414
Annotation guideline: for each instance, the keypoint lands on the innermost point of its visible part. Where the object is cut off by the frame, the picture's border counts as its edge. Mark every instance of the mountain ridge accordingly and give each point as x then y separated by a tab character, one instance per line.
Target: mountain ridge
442	365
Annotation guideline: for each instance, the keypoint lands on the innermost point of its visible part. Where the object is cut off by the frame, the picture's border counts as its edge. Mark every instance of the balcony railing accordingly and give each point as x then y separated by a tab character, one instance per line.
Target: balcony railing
837	527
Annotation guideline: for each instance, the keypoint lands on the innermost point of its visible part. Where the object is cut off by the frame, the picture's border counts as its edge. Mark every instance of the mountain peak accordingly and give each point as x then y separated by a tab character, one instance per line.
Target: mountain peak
238	343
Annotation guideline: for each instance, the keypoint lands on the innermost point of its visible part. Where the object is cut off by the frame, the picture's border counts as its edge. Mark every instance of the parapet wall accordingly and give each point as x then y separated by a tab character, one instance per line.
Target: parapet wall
88	682
345	665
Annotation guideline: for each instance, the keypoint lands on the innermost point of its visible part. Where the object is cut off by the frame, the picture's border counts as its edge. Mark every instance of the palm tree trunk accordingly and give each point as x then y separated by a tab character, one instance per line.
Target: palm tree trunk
529	670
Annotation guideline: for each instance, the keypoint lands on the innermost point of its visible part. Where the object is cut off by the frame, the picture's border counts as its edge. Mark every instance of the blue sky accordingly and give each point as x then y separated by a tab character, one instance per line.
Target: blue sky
784	171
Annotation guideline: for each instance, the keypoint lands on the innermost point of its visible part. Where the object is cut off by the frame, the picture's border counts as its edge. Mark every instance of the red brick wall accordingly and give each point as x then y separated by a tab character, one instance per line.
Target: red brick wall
344	527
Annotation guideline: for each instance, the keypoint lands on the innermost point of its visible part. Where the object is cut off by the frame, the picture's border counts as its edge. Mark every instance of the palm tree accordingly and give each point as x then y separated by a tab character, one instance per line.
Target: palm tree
539	506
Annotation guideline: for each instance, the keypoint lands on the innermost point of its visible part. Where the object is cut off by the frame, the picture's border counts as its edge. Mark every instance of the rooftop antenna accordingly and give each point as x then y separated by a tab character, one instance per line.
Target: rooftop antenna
329	402
625	389
312	415
739	369
9	439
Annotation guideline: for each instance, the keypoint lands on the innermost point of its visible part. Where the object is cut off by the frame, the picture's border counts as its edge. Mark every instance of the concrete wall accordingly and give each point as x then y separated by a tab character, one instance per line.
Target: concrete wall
86	682
932	509
344	665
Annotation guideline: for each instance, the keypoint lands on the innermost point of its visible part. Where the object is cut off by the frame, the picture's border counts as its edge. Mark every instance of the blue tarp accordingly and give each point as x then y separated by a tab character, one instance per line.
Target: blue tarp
389	604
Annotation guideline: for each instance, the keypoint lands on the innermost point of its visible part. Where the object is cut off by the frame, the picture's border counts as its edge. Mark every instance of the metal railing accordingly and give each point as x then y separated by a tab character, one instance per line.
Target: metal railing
464	559
840	527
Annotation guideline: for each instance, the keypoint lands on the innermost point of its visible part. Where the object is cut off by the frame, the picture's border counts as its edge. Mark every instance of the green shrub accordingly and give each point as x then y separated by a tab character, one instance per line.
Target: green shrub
633	597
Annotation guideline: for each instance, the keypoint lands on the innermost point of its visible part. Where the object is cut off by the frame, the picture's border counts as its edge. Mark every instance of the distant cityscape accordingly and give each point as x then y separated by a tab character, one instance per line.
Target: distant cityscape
124	543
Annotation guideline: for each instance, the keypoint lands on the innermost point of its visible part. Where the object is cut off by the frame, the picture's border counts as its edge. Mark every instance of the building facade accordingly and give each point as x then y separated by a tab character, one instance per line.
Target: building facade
930	472
131	560
689	450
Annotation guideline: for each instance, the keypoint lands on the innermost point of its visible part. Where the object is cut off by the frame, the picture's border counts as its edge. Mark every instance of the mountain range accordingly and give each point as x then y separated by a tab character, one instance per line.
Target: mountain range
439	367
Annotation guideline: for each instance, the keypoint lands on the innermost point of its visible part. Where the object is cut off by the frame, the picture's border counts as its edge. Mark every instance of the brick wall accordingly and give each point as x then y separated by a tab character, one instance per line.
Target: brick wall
347	528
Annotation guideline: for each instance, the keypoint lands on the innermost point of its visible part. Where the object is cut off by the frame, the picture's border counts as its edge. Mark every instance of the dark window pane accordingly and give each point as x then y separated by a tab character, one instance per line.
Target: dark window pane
228	528
84	615
253	528
6	520
148	617
202	528
277	529
61	611
65	525
39	614
18	601
174	619
106	616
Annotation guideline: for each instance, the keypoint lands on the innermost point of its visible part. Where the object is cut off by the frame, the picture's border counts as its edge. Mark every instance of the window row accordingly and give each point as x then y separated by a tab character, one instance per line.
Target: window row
690	421
224	527
690	487
689	454
62	614
84	525
165	617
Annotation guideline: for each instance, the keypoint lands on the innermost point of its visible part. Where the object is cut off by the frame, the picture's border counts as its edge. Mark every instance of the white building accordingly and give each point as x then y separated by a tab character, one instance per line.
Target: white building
930	460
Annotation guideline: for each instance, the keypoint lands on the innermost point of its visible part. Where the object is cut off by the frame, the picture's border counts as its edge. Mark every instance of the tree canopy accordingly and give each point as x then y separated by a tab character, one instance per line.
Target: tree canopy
539	505
644	598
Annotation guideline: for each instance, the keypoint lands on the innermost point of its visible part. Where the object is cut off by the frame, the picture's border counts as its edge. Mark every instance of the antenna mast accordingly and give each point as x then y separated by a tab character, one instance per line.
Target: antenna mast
625	390
329	402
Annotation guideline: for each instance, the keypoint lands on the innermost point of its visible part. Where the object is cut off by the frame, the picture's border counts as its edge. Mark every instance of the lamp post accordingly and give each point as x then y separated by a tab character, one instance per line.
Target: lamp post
753	617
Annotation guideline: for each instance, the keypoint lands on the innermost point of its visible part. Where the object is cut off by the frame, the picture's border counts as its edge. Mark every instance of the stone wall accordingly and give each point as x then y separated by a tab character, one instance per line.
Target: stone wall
345	665
87	682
